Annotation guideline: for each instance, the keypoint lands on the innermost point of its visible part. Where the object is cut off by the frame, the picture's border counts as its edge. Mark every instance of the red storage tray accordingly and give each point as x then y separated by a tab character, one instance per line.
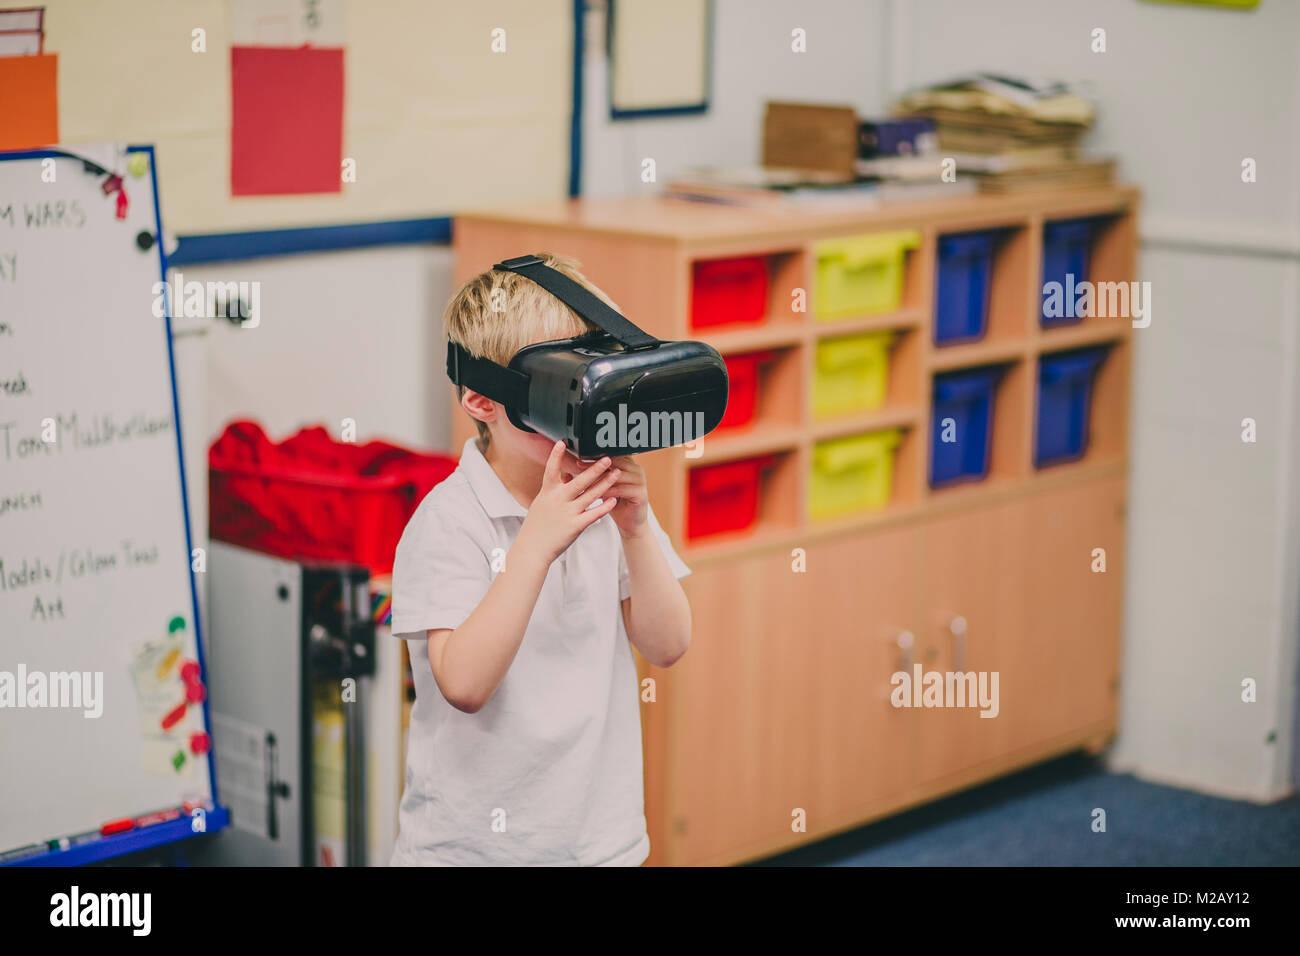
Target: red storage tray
729	292
742	387
724	497
312	498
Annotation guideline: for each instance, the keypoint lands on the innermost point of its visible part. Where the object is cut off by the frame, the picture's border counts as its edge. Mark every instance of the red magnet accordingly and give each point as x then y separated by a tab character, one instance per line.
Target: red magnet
190	671
200	743
194	692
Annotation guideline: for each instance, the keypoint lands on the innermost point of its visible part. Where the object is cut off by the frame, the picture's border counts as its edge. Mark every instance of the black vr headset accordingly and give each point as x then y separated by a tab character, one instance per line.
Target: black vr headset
613	391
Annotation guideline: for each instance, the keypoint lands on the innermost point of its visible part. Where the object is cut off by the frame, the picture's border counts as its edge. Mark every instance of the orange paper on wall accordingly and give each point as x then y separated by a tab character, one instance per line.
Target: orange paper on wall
29	101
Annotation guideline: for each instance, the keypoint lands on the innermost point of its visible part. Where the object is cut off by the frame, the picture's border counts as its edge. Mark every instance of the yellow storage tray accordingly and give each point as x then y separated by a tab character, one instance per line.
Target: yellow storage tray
851	373
852	474
861	275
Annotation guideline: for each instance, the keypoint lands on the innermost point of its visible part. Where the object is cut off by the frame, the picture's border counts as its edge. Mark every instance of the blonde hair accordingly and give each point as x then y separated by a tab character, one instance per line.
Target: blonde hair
496	313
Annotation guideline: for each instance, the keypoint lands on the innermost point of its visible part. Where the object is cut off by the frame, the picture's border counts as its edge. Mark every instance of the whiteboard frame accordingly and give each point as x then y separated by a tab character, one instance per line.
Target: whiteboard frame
217	816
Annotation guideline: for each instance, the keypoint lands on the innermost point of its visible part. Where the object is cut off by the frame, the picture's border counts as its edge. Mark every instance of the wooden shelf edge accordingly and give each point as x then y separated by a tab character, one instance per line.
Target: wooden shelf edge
905	318
944	358
1086	333
771	335
753	440
907	416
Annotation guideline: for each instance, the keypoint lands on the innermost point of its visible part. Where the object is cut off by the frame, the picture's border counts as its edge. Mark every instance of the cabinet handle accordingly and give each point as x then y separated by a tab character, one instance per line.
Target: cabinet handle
957	628
905	644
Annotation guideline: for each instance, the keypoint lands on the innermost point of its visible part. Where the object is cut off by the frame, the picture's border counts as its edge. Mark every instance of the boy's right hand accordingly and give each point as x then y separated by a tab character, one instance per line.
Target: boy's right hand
560	511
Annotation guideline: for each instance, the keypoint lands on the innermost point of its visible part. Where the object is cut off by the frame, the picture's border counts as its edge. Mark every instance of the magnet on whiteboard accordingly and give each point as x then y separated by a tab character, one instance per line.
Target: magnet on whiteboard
138	164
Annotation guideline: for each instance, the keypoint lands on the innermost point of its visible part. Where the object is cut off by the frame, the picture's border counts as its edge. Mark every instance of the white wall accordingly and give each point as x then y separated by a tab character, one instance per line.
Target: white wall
352	334
1184	94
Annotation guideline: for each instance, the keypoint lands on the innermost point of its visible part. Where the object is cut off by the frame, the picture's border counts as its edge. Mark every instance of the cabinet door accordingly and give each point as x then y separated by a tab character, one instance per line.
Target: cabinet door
964	640
783	702
1065	611
867	630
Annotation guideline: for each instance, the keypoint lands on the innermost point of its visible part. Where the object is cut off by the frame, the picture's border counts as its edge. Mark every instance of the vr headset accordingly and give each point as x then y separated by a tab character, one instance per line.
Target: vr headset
614	391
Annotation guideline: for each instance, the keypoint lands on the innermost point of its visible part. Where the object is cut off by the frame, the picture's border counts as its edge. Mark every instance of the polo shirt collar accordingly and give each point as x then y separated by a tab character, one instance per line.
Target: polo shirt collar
496	500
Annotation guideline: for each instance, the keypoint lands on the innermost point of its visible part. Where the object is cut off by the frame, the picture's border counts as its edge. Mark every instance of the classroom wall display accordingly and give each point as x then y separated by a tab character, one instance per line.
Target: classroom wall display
445	104
103	713
659	57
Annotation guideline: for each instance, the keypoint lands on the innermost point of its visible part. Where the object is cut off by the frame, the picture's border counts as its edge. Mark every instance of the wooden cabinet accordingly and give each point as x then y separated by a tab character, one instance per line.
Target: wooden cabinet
1063	614
787	697
782	705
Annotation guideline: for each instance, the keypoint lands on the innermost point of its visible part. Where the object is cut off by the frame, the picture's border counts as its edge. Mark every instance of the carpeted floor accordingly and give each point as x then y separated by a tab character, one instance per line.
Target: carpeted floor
1043	817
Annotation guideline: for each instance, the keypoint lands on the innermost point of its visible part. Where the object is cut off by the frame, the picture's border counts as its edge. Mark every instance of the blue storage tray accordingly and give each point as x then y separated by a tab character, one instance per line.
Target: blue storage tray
967	398
1067	250
1064	403
964	278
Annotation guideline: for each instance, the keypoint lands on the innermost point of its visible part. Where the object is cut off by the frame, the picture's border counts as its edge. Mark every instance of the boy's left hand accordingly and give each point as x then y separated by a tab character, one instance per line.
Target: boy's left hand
630	490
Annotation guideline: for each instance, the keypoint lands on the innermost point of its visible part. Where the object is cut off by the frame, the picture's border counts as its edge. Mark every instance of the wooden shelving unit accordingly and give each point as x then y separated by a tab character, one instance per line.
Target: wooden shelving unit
782	702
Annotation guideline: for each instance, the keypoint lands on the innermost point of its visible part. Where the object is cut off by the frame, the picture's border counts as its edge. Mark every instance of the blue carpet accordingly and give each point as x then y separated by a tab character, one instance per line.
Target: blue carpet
1043	816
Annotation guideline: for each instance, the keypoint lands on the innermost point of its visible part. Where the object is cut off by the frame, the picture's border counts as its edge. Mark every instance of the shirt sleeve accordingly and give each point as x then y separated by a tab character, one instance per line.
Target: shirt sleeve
679	567
440	574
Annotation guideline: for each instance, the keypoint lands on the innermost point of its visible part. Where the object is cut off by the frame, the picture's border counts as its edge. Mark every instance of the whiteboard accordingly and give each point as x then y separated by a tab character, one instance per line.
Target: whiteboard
95	573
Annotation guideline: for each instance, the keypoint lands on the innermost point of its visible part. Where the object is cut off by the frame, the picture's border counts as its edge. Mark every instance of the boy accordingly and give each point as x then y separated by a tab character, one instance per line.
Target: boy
518	583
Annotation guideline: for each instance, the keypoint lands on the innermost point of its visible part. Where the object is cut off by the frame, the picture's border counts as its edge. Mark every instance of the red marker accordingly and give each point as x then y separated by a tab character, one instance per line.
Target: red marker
162	816
173	716
117	826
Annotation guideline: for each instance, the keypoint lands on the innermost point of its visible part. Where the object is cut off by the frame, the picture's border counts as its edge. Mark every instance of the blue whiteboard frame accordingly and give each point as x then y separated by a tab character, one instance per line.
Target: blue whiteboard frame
218	816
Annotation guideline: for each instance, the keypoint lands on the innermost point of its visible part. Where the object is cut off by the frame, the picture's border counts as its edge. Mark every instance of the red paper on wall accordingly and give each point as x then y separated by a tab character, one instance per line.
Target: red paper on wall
29	101
286	129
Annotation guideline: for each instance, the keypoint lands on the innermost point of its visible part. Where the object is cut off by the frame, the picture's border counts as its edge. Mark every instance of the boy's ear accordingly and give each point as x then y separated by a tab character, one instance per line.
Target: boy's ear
479	407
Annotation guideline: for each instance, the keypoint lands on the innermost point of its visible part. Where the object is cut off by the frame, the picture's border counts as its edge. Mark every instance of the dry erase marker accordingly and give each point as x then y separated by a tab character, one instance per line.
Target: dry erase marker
22	852
162	816
90	836
117	826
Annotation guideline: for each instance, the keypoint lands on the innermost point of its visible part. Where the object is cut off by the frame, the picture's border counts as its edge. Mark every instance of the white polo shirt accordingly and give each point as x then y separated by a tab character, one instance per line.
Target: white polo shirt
549	770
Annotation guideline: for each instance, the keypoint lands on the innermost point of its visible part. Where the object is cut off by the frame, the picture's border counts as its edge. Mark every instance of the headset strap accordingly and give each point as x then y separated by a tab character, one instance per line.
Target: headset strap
580	300
497	382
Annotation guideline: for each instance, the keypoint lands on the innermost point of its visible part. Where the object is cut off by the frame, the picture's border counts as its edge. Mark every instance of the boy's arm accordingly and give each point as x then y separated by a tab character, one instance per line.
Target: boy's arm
655	612
470	662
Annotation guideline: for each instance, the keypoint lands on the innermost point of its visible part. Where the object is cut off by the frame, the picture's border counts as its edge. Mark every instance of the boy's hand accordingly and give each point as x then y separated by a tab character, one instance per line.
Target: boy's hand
632	494
560	512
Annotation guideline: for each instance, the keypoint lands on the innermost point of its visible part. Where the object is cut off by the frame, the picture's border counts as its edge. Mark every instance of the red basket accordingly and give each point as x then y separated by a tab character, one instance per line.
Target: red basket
724	497
742	387
313	498
729	291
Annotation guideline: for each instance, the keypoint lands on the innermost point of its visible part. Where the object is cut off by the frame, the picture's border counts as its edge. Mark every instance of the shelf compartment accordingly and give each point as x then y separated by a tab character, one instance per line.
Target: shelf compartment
765	386
1097	250
853	474
862	275
740	497
1079	413
977	418
980	278
1064	404
744	293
